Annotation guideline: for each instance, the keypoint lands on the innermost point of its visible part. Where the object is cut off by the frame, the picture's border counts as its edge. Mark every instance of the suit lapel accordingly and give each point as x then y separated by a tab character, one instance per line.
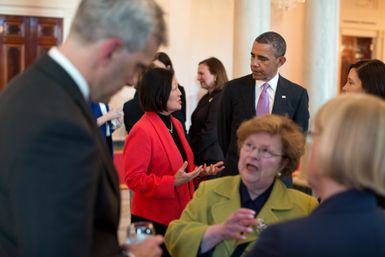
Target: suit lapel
50	67
248	95
281	97
173	155
223	209
278	201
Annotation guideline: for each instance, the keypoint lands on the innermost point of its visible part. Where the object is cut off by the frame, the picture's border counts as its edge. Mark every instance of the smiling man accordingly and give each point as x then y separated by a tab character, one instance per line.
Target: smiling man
262	92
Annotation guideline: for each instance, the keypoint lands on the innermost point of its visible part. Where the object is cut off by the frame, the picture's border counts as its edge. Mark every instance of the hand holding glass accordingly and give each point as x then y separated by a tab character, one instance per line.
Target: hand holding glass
139	231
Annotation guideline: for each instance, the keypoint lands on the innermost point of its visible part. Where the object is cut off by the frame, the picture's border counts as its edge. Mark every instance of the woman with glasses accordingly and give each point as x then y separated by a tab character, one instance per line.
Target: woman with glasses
346	167
226	214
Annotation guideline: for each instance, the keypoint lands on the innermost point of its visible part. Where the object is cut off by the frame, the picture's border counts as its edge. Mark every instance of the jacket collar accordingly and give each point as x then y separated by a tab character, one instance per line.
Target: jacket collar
348	201
173	154
277	201
57	73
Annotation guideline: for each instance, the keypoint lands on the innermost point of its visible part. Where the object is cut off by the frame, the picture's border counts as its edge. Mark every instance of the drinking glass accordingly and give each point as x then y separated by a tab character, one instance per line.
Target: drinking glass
139	231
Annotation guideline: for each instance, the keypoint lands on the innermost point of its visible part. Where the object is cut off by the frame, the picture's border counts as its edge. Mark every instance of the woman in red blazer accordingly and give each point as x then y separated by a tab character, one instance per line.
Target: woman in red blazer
159	164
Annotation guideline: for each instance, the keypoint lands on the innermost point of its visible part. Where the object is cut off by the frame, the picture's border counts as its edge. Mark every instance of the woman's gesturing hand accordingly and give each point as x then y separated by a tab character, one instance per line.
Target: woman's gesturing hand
212	169
182	177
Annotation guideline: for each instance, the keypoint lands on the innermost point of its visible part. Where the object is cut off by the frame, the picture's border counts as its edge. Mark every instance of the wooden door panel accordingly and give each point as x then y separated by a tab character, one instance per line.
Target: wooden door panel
23	39
13	61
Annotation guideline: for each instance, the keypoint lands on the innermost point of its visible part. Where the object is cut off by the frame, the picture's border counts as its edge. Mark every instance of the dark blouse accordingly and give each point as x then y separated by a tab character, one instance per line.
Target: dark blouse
257	203
203	133
167	122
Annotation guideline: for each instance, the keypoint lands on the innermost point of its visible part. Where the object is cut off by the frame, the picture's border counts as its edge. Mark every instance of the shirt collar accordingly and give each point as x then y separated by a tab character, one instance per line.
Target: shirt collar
72	71
246	199
273	82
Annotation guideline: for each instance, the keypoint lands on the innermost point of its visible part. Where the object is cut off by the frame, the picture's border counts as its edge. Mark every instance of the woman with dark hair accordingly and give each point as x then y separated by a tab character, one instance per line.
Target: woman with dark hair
366	76
159	164
162	60
133	110
203	132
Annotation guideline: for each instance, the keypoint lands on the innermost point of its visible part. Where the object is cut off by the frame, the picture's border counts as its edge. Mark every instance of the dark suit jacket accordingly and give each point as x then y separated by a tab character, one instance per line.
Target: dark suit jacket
203	133
133	111
59	191
238	105
348	224
97	111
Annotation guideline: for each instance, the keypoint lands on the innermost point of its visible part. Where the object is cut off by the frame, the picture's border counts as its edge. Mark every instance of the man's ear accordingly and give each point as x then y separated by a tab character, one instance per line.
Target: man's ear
281	61
108	48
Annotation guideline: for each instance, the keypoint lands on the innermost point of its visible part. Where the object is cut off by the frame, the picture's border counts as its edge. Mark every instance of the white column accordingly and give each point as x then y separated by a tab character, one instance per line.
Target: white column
251	18
321	51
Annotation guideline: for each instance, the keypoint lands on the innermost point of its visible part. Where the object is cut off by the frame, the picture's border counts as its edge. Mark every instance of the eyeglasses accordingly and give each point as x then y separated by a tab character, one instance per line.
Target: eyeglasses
261	151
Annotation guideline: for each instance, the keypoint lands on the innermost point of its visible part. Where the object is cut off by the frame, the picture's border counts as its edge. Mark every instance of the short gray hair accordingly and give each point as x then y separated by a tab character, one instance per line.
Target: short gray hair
275	40
133	21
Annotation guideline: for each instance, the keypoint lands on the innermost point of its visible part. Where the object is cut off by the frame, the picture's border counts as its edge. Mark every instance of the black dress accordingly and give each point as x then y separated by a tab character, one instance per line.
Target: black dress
203	134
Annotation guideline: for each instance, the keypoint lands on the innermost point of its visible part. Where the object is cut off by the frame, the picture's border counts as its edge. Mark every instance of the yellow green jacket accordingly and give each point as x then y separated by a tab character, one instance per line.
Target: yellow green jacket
215	200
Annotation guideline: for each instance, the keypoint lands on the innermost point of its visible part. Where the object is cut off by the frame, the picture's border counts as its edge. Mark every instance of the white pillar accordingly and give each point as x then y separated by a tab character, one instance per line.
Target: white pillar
251	18
321	51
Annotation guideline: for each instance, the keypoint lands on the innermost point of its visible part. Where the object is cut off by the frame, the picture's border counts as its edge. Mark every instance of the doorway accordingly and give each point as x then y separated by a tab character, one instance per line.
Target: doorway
23	39
354	49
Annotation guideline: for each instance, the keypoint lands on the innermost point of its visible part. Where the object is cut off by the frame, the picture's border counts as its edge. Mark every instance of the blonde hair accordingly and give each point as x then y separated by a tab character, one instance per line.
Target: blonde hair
352	141
292	138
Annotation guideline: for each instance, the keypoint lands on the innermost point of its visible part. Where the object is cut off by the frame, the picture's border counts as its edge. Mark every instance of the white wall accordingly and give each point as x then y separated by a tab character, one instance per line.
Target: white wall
198	29
290	24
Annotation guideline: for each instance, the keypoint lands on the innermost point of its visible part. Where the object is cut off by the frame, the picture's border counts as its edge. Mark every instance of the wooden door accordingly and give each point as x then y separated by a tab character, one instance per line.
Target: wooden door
22	40
354	50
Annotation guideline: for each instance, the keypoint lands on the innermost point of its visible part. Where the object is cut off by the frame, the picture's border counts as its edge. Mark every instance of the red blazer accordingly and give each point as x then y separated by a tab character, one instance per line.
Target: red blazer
151	159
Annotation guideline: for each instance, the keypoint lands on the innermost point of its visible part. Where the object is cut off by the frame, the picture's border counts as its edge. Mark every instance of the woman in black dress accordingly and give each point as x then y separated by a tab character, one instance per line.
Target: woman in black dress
203	131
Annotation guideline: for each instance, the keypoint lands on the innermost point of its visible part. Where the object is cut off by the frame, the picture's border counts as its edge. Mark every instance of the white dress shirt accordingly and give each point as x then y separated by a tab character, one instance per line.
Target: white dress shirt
271	90
74	73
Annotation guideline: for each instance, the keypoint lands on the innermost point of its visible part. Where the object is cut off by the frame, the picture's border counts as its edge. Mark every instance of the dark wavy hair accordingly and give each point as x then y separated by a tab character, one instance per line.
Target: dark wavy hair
372	76
155	88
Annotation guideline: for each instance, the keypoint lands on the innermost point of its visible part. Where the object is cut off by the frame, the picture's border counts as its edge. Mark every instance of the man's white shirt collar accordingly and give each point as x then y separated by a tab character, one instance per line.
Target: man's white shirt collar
273	82
74	73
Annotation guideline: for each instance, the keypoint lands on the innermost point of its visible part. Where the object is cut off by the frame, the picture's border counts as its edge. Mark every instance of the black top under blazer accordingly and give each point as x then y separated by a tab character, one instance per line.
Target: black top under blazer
59	190
238	105
347	224
203	133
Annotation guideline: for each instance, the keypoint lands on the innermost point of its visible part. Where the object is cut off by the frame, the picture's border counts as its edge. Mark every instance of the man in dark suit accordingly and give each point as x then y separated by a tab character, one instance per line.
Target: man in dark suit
240	96
59	190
